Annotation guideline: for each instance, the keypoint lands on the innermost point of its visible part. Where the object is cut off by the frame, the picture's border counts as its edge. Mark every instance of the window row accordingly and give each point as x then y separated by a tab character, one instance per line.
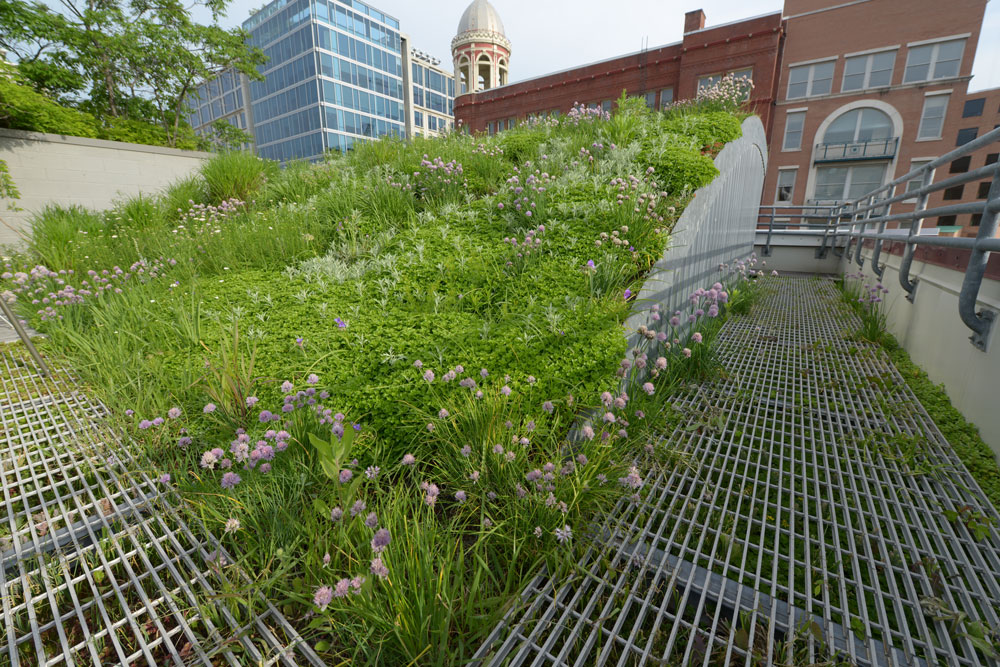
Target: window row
359	100
360	124
366	54
423	76
356	75
433	101
281	23
434	123
927	62
291	125
287	75
508	124
209	113
306	147
838	183
708	81
301	96
345	19
289	48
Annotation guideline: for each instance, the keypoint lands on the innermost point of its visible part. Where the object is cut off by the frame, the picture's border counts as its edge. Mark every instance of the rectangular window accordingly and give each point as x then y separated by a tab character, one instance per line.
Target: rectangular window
794	123
706	82
650	99
984	190
847	183
666	97
916	182
786	185
974	107
966	135
947	220
961	165
953	193
932	117
991	158
870	71
606	106
976	219
928	62
489	128
810	80
418	119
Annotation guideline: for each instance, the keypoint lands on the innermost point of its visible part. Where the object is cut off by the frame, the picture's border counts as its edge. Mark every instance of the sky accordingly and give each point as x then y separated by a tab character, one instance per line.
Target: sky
552	35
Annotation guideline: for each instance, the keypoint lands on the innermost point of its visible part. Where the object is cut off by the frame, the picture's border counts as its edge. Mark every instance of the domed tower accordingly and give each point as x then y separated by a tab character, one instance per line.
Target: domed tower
481	50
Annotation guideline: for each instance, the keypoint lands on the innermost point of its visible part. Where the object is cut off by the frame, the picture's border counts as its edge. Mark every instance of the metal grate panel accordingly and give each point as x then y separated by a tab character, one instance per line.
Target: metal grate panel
805	522
96	565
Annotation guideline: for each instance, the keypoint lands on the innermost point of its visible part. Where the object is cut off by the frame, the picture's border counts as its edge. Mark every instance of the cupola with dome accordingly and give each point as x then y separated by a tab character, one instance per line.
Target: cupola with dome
480	49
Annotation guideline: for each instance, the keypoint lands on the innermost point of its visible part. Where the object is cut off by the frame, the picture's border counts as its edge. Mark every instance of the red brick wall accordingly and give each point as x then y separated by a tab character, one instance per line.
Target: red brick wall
753	43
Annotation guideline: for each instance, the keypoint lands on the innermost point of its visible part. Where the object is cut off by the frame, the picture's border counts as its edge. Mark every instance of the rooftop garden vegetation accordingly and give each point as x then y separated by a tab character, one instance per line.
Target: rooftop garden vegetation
363	374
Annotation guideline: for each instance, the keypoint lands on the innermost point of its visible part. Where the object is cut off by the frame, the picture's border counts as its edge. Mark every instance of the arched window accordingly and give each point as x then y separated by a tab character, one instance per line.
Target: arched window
502	72
464	76
859	125
485	72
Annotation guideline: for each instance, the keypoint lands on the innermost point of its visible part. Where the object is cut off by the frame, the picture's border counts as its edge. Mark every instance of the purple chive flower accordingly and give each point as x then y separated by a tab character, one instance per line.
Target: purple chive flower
590	264
649	388
230	479
628	294
342	588
144	424
183	441
174	413
251	401
265	416
287	387
564	534
312	379
129	412
460	496
548	407
409	459
356	584
686	352
379	569
265	468
300	342
430	427
381	539
326	559
323	597
158	421
442	414
357	508
232	525
588	432
345	476
429	375
505	390
696	337
165	478
418	364
466	451
371	520
632	480
483	372
336	514
371	472
209	408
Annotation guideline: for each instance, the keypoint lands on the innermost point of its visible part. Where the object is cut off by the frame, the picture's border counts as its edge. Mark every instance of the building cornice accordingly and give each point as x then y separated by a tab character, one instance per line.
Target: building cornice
470	36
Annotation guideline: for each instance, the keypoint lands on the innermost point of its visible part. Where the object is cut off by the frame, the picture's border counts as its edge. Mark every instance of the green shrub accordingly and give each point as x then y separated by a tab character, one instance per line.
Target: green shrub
521	145
709	128
678	168
21	108
235	175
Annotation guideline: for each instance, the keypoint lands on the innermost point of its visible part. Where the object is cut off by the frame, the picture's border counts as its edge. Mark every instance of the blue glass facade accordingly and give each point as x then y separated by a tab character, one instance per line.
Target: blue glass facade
333	77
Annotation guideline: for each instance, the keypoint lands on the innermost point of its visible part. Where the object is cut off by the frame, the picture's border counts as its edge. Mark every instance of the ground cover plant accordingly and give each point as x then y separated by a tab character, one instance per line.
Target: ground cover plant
363	373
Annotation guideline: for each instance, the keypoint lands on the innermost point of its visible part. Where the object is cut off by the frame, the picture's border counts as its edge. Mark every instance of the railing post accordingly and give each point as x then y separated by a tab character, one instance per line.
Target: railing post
910	286
821	250
23	335
981	322
857	251
766	252
877	250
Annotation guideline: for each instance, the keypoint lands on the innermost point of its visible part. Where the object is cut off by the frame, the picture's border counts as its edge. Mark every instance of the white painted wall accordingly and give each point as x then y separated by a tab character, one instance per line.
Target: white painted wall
937	340
57	169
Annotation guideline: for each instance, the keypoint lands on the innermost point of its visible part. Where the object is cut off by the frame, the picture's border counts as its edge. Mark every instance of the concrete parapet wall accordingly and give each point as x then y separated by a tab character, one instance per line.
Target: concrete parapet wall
58	169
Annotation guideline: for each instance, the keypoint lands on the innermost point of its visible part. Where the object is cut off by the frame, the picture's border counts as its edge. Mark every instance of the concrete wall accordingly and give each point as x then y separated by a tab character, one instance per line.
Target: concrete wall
937	340
56	169
795	253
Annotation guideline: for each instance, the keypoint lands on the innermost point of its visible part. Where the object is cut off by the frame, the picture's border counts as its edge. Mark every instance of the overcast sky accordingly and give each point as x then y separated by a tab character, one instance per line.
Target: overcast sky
550	35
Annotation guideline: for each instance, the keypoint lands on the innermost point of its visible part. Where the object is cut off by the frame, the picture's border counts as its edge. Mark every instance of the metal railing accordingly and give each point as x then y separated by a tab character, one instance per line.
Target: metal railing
872	149
867	219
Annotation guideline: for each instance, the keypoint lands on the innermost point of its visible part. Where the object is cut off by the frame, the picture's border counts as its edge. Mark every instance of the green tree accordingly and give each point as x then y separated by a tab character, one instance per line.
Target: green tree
123	59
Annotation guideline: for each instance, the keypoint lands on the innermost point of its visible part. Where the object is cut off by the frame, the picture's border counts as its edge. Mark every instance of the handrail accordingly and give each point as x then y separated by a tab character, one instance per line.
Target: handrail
853	220
23	335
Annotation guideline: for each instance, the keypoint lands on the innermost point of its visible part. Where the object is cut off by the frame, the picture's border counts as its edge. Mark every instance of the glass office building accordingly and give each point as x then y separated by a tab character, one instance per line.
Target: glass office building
333	76
433	95
225	97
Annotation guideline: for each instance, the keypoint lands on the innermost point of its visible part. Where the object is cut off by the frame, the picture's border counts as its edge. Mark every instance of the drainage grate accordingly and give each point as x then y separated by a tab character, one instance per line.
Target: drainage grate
807	526
96	567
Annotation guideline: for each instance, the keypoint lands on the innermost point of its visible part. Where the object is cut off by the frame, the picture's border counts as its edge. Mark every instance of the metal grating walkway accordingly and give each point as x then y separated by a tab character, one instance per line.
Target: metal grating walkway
805	522
97	566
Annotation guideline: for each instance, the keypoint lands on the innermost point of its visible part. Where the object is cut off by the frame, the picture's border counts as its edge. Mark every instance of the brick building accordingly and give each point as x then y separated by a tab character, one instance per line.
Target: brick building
852	94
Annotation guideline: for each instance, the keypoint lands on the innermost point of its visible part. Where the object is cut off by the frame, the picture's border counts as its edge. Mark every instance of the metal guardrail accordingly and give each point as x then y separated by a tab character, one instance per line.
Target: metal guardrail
855	220
874	149
7	314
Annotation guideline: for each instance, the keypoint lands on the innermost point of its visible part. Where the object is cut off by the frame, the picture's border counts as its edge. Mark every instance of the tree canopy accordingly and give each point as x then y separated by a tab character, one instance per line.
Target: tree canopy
123	61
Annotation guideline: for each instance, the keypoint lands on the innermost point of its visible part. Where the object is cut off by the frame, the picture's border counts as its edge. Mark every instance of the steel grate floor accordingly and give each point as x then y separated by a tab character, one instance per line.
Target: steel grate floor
804	524
97	566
